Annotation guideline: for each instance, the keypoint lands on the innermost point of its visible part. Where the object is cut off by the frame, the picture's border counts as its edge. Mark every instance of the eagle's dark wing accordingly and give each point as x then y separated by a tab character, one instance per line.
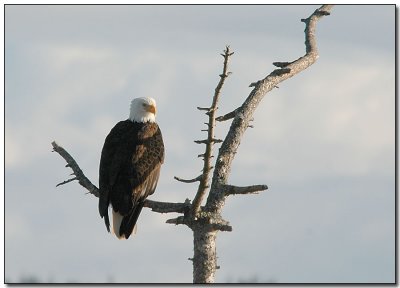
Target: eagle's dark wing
131	171
115	141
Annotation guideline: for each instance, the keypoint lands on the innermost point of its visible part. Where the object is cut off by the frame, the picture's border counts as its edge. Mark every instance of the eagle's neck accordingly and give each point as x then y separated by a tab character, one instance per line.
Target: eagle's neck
144	118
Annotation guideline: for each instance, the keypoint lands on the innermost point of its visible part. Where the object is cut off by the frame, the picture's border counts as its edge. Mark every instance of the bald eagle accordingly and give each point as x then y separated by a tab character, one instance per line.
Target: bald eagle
130	165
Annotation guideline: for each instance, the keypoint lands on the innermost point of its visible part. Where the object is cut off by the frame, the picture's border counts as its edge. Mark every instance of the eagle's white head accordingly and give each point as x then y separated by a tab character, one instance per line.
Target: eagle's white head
143	110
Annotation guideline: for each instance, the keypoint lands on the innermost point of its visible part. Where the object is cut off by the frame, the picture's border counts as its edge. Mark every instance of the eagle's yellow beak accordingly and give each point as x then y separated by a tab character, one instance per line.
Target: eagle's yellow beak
152	109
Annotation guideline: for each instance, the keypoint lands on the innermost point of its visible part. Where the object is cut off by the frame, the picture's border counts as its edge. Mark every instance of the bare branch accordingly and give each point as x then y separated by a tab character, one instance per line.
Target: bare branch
204	182
203	108
221	227
279	72
85	182
208	141
67	181
235	190
181	220
311	23
167	207
198	178
227	116
242	117
281	64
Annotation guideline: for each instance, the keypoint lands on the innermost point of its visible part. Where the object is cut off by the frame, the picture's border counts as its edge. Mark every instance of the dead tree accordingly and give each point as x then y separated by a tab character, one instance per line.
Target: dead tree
206	221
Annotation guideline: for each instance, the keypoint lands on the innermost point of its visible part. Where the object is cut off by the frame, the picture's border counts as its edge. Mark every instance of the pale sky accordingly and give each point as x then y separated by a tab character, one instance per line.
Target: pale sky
324	142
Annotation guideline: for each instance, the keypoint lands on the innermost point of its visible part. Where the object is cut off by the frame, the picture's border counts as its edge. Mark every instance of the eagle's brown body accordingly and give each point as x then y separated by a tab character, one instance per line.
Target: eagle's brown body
129	170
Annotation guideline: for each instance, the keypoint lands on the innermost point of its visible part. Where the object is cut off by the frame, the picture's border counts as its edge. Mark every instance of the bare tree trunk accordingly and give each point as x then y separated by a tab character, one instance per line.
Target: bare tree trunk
205	254
206	221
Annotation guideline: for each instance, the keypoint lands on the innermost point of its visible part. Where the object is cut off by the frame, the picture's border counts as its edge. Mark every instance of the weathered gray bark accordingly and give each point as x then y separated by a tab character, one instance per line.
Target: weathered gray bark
205	221
205	254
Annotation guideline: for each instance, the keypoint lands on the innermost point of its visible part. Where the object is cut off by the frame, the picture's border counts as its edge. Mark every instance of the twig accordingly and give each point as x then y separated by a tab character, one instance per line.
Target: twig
221	227
67	181
203	109
198	178
181	220
227	116
208	141
281	64
235	190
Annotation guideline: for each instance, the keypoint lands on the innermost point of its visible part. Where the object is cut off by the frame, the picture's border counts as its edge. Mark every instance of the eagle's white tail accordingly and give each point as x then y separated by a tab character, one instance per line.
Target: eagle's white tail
117	219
